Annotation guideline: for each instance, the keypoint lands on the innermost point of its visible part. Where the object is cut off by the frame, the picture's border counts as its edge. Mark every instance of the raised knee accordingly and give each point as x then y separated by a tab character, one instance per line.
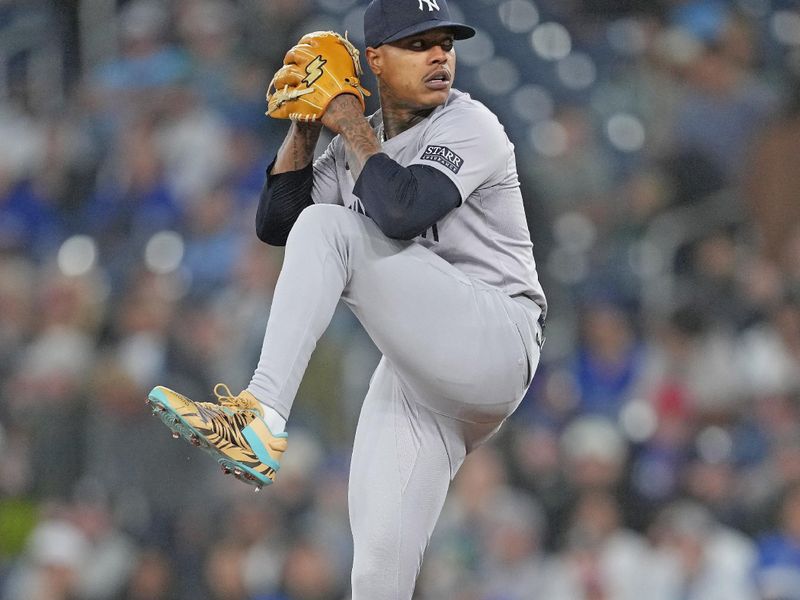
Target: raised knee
321	220
324	216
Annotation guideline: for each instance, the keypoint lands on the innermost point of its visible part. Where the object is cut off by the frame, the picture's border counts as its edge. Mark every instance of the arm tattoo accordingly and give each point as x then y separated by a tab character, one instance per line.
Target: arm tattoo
361	143
297	149
360	139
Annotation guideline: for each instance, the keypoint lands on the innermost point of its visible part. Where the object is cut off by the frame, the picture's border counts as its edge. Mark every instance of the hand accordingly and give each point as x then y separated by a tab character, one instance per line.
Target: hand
344	111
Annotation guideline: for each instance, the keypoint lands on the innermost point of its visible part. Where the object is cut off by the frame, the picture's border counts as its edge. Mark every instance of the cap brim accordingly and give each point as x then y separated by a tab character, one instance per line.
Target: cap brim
460	31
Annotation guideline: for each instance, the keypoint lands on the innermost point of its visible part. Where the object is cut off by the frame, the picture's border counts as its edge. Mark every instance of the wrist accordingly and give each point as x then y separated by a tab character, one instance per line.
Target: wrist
343	114
306	127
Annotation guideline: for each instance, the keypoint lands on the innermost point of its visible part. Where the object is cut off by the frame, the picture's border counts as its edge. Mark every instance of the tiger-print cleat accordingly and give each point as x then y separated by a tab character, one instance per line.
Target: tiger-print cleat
233	431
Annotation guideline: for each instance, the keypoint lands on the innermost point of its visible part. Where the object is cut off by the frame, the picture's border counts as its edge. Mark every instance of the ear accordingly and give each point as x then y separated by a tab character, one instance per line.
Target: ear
374	58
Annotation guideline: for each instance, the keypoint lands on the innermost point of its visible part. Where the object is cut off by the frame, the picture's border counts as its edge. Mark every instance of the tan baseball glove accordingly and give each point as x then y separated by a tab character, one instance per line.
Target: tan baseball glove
321	66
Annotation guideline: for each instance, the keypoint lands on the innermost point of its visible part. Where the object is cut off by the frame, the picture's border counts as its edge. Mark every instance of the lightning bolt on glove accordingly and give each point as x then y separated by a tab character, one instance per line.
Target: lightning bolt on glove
322	65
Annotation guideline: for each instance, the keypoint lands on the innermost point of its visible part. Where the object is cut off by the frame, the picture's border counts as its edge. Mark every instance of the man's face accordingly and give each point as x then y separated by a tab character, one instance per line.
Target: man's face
415	72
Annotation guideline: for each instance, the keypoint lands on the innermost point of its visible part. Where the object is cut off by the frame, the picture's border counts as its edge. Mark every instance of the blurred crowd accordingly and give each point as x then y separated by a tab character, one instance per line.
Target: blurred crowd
657	454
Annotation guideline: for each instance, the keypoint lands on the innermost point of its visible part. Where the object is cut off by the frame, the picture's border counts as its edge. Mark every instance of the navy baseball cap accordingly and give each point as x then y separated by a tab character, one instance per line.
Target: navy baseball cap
390	20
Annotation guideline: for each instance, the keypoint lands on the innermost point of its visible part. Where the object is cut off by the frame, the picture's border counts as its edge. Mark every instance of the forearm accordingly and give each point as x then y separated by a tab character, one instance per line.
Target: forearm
344	116
297	150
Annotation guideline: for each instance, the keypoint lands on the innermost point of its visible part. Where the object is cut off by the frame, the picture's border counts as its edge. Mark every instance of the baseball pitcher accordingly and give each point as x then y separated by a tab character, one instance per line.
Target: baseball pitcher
413	217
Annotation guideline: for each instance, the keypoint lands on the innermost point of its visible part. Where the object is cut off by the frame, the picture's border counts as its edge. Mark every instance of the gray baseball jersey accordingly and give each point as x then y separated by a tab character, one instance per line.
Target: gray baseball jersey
487	236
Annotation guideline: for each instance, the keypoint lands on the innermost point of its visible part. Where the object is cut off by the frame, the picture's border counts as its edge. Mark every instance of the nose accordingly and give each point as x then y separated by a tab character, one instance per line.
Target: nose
438	54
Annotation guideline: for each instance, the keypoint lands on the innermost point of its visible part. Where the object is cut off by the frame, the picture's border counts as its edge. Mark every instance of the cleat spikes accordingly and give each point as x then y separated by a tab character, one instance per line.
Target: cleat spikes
210	427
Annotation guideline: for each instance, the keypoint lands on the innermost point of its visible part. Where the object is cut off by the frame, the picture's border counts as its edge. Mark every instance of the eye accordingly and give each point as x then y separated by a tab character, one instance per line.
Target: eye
422	44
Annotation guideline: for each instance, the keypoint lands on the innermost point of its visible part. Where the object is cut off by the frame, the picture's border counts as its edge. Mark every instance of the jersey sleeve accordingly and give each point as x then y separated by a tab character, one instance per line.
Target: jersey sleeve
468	145
326	183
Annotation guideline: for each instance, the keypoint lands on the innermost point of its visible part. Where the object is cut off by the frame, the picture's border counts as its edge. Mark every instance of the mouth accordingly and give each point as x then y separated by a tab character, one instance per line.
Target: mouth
438	80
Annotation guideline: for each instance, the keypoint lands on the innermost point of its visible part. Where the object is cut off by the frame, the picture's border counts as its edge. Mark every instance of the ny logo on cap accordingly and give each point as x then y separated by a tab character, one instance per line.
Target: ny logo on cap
430	3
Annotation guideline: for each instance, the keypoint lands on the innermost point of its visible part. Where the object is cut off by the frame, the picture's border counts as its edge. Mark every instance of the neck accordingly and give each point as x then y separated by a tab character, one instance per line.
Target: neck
397	121
397	117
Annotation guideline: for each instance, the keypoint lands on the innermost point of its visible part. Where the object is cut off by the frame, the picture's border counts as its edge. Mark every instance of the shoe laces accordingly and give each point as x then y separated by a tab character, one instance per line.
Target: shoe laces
226	398
230	409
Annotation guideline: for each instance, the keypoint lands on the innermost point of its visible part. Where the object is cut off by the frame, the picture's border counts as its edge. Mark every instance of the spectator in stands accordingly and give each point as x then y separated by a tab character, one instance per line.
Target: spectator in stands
778	569
52	566
769	352
687	372
147	64
515	564
132	201
214	243
699	558
608	359
771	182
152	577
594	454
601	558
221	69
578	176
29	223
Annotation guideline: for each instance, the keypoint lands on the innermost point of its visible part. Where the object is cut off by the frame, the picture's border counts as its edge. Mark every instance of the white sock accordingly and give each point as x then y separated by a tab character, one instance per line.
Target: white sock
275	422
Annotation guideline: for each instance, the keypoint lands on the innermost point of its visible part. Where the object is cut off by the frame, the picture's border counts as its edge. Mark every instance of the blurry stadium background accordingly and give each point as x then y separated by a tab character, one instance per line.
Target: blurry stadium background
658	453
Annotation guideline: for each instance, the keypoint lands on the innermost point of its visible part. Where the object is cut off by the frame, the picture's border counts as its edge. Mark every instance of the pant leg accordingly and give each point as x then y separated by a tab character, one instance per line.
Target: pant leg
457	343
403	458
457	359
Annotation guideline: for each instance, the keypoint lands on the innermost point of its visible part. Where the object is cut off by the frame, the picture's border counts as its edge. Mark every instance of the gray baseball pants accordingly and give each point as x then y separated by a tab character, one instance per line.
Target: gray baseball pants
458	356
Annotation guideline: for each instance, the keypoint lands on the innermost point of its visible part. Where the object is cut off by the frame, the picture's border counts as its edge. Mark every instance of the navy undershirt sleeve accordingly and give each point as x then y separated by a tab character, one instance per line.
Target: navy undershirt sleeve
283	198
404	202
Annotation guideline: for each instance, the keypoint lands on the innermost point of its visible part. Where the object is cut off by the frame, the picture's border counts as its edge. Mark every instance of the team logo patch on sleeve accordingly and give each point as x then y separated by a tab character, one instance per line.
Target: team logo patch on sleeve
444	156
